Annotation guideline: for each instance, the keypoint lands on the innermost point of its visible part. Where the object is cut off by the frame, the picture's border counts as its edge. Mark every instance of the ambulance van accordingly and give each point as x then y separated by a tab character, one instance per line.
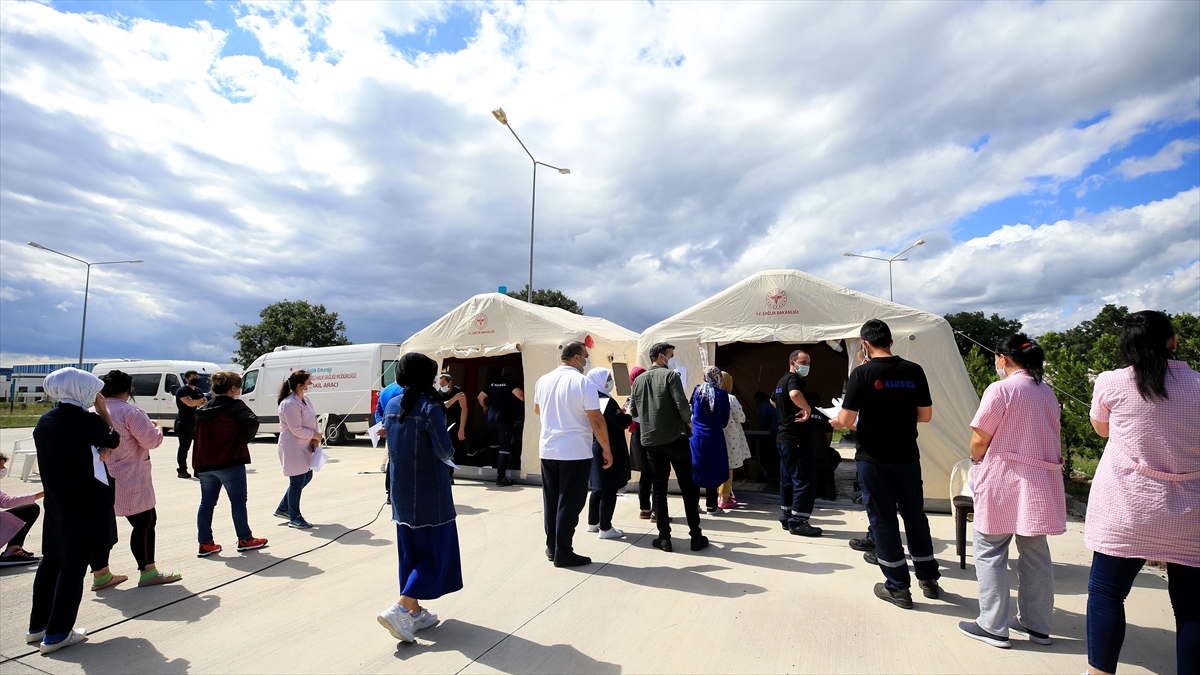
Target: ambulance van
346	381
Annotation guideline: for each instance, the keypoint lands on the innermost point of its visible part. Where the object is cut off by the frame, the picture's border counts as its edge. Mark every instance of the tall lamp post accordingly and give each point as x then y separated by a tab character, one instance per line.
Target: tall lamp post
503	119
889	261
86	287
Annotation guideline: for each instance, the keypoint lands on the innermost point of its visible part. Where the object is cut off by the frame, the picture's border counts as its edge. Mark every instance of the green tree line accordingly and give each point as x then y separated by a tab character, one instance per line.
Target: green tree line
1074	358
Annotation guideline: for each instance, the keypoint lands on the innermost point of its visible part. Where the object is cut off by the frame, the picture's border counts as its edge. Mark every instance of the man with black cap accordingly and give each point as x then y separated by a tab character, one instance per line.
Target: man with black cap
662	410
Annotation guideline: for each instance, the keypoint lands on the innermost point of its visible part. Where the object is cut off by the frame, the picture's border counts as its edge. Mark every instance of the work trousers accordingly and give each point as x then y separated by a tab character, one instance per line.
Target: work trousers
601	507
646	490
677	454
57	592
897	487
1109	585
564	492
185	444
797	489
1035	594
503	434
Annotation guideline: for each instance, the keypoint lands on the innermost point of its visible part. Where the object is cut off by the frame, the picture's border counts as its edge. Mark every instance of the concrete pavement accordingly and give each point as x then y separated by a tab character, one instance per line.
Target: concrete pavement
757	600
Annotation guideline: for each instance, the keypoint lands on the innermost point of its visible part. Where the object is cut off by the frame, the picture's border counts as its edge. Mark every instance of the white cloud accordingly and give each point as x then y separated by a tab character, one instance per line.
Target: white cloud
13	294
1170	157
706	142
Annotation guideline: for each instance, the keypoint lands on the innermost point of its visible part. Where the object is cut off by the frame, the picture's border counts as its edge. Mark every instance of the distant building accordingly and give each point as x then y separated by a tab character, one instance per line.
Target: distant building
25	382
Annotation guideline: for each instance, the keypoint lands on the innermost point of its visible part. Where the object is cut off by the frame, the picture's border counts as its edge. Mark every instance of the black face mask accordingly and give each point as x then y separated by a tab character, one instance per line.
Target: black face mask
192	383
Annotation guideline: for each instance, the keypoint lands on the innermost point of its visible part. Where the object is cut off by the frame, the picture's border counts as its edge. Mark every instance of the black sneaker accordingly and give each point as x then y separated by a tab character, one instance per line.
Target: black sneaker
662	544
804	529
863	544
1019	628
182	473
572	560
871	557
503	482
550	554
699	542
901	599
784	523
973	631
930	588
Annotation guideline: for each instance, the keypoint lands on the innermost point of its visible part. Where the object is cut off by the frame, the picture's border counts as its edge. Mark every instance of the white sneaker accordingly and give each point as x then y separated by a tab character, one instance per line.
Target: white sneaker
423	619
593	528
612	533
398	622
73	638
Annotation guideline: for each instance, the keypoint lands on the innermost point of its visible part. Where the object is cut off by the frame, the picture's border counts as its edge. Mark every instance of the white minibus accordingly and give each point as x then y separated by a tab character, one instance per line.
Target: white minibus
155	382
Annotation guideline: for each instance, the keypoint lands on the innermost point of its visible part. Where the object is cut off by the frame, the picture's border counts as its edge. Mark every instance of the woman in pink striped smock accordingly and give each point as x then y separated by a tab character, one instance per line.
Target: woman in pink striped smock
133	485
1019	493
298	439
1145	500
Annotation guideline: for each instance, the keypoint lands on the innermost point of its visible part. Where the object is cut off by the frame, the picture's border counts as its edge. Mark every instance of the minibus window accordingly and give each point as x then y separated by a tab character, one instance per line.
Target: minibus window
146	384
249	381
172	383
389	373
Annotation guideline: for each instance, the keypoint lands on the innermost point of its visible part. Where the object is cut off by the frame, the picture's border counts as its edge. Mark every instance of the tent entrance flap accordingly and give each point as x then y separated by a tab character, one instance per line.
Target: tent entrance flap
472	374
758	366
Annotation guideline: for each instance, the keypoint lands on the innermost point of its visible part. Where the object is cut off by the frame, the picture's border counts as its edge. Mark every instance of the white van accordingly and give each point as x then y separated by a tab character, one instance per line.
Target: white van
155	382
345	384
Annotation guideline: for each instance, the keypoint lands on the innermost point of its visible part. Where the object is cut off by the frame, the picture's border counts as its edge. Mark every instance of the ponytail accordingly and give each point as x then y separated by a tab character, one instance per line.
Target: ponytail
289	385
1025	352
1144	339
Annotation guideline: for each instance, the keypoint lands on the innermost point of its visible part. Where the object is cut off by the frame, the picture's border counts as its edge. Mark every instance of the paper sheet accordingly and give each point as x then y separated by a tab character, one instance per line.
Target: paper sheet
450	463
98	467
319	459
376	432
832	411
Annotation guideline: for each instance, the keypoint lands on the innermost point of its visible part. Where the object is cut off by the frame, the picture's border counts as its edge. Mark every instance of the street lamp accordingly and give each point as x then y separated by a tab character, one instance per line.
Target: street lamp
889	261
503	119
86	286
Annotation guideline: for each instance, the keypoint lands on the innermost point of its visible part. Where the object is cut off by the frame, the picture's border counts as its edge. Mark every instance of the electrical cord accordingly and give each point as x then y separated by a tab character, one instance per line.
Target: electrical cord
993	352
218	586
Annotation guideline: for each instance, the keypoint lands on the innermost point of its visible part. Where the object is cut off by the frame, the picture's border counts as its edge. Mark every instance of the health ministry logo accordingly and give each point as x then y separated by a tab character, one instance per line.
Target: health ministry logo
776	298
480	321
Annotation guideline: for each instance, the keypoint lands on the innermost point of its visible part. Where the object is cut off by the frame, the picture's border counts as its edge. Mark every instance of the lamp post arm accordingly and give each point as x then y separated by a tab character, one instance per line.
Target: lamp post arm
551	166
856	255
904	251
514	133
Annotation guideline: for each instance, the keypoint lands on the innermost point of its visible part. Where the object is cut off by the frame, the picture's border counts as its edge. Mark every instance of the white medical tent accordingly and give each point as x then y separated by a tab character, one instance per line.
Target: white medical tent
494	330
749	328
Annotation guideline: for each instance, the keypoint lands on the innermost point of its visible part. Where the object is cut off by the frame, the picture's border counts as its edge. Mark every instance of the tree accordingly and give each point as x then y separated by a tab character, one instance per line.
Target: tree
1082	338
1187	327
981	367
548	298
288	323
989	331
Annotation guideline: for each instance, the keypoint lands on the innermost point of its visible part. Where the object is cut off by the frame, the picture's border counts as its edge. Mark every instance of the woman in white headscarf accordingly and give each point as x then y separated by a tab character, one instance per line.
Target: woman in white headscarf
606	482
78	505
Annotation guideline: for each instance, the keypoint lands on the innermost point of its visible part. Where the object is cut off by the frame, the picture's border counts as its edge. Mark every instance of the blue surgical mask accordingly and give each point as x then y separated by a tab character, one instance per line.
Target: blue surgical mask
608	386
802	370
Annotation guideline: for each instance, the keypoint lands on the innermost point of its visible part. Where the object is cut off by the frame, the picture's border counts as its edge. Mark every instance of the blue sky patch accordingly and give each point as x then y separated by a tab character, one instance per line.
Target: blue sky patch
438	37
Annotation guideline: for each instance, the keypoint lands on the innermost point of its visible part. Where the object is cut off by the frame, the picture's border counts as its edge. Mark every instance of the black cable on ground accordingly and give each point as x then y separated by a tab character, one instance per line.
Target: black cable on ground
218	586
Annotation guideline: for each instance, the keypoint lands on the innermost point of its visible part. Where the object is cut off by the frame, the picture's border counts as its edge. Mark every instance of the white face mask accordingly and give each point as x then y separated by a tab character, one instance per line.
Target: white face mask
4	470
672	363
608	386
587	364
1000	372
802	370
444	388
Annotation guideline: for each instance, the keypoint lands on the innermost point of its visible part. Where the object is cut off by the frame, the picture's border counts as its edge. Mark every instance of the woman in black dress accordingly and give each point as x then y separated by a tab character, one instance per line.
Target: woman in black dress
606	482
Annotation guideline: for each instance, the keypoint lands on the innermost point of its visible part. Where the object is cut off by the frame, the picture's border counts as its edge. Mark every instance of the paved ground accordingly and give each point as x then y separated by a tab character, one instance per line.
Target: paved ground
758	600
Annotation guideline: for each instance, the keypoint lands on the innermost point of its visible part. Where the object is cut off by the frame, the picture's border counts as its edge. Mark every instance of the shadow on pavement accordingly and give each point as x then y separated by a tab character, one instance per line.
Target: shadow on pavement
294	569
118	654
784	562
684	579
133	601
363	537
501	651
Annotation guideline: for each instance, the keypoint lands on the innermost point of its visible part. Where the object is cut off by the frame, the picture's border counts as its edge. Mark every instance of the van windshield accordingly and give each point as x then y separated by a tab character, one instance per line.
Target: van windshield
202	385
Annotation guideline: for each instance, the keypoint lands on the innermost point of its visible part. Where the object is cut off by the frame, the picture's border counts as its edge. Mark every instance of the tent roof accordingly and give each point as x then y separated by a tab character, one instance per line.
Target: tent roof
786	306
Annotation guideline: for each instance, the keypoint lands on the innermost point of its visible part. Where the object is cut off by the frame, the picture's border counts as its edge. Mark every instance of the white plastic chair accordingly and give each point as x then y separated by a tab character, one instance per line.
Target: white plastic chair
30	455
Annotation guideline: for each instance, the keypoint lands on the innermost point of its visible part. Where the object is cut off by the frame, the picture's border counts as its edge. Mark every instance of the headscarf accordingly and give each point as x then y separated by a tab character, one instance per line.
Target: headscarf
74	386
706	392
415	372
599	377
637	370
727	382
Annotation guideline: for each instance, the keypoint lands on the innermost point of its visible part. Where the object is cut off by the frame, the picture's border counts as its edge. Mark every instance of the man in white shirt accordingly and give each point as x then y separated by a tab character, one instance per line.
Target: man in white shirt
569	408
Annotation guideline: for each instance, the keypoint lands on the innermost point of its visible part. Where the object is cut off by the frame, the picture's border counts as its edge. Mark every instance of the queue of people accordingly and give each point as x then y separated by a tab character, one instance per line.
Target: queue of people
94	451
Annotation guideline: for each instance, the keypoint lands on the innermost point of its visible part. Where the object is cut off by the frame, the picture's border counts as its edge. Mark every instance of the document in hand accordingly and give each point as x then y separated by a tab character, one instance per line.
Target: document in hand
376	432
319	459
832	411
98	468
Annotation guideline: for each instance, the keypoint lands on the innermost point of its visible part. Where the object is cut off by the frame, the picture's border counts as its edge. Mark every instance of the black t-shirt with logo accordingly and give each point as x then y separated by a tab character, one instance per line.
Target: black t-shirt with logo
186	420
454	412
790	431
886	393
502	403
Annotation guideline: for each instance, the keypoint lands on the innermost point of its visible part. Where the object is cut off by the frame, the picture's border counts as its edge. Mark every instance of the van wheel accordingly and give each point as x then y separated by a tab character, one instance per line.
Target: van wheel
335	431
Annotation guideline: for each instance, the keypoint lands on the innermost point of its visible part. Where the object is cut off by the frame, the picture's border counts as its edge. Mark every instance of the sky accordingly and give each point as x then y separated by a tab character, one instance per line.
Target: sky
345	154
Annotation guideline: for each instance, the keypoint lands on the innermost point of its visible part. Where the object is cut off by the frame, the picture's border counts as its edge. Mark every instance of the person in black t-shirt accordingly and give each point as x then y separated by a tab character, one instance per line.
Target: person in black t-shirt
455	401
825	458
500	399
796	489
890	397
187	399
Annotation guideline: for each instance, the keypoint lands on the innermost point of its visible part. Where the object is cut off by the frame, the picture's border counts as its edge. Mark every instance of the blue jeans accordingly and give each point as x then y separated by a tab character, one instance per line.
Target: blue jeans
1108	587
897	487
797	489
233	480
290	504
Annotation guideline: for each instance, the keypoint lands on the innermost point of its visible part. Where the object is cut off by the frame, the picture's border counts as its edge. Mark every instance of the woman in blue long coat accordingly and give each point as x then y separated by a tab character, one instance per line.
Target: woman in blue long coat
710	458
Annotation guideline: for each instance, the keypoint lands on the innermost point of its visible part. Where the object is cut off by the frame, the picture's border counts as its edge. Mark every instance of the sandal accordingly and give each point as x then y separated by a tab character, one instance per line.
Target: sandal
159	579
101	583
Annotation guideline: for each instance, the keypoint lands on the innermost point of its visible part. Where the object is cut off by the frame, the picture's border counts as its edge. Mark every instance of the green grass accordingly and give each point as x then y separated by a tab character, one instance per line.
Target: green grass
22	415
